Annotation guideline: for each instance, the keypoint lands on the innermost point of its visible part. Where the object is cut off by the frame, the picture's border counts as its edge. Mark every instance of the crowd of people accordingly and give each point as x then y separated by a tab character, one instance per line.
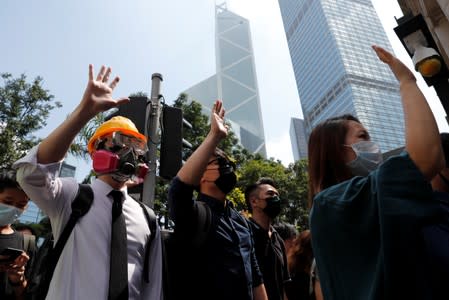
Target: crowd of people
378	229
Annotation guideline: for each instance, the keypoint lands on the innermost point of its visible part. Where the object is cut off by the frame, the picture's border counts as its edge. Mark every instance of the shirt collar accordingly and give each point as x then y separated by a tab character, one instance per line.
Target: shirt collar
105	188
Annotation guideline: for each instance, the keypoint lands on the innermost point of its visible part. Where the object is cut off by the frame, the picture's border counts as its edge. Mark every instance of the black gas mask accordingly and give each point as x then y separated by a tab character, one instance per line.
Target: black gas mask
121	156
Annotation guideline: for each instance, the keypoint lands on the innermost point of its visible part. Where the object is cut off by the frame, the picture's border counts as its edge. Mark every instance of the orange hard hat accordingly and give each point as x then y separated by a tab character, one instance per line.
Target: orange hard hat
117	123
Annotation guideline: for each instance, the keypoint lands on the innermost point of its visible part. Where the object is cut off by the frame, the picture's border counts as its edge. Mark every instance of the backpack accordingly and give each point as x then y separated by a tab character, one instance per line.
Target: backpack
44	263
173	257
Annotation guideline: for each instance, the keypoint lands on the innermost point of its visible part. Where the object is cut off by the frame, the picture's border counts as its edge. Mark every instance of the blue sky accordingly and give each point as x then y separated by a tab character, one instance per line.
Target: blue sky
58	39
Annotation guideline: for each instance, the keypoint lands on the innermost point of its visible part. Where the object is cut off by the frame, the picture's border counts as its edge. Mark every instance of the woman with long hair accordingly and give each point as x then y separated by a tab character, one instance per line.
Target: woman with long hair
366	214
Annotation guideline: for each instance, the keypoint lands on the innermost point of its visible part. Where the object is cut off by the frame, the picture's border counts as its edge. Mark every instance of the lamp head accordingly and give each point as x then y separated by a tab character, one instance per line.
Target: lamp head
426	61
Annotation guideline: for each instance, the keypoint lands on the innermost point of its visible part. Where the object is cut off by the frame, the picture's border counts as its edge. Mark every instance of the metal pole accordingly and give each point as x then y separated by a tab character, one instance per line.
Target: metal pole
151	132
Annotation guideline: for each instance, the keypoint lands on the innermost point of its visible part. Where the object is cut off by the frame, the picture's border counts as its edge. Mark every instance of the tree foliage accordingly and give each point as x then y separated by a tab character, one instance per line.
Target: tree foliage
291	183
24	109
296	210
78	148
291	180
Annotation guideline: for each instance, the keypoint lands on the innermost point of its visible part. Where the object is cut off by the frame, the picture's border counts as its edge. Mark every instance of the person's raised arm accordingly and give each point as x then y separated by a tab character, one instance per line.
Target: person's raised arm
97	98
422	139
193	169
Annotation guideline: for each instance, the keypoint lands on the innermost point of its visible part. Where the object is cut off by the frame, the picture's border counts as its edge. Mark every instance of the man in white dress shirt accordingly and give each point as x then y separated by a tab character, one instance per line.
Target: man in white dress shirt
116	149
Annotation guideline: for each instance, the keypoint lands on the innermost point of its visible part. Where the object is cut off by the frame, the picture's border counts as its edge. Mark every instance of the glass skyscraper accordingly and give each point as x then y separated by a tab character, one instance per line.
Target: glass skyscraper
235	81
336	69
298	138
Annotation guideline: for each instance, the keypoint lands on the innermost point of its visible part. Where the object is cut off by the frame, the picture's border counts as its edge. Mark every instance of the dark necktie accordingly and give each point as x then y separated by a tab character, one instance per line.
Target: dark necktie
118	277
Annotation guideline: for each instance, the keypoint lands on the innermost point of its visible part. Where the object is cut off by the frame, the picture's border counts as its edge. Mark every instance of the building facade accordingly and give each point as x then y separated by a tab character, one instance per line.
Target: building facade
436	15
298	138
235	81
337	71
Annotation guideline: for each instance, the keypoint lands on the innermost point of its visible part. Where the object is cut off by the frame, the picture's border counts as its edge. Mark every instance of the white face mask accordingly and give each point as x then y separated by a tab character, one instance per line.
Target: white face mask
368	158
8	214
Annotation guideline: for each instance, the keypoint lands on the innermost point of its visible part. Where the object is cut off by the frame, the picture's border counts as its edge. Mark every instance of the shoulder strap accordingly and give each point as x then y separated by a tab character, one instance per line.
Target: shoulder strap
29	243
80	206
151	218
204	223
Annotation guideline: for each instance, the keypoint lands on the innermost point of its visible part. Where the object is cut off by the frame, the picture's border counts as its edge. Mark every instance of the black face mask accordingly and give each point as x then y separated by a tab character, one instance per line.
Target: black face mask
227	180
273	207
128	165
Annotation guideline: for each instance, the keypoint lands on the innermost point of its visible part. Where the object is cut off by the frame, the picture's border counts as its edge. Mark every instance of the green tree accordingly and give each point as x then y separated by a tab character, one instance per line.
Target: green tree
139	94
24	109
297	210
291	183
253	169
78	148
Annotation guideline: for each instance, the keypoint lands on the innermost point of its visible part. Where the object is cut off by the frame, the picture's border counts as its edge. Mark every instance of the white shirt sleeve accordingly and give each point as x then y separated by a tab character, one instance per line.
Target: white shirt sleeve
42	184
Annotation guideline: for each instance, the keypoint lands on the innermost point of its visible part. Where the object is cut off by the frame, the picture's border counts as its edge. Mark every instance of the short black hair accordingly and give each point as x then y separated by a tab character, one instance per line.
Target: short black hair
250	189
8	179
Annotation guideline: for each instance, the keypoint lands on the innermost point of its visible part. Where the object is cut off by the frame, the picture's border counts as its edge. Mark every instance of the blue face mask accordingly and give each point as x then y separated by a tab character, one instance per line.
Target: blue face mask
368	158
8	214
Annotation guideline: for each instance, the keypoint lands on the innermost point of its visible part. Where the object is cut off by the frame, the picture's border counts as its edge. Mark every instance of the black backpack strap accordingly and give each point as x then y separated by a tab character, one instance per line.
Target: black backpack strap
203	225
152	224
80	206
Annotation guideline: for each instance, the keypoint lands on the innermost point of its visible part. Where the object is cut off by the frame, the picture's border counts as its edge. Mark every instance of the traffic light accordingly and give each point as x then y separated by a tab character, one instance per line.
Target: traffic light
172	141
135	110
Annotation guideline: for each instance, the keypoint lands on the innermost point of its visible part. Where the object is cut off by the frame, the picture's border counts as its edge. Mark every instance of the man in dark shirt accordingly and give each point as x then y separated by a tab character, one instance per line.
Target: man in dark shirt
223	266
262	199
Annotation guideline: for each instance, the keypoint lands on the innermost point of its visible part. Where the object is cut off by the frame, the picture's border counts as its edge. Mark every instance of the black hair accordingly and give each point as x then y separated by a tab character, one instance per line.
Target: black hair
250	189
8	179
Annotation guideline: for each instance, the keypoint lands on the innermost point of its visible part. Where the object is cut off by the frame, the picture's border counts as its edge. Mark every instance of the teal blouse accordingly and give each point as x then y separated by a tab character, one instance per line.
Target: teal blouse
366	234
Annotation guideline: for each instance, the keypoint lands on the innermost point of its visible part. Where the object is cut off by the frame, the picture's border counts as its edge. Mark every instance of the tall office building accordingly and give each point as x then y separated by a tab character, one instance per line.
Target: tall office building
336	69
298	139
235	81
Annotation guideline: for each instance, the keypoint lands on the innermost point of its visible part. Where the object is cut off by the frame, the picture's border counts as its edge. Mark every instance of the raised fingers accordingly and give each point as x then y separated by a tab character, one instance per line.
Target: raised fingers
106	75
101	73
91	72
383	54
218	104
114	82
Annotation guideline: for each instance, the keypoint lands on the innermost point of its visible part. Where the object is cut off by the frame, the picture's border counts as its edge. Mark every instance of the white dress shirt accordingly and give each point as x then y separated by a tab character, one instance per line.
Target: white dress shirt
83	268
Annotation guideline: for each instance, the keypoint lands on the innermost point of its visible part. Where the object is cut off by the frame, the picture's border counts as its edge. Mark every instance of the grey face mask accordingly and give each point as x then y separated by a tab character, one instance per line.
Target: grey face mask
368	158
8	214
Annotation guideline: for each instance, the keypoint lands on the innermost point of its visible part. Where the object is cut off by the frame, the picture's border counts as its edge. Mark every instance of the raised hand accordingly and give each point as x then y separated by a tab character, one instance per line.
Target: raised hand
400	71
98	94
217	124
